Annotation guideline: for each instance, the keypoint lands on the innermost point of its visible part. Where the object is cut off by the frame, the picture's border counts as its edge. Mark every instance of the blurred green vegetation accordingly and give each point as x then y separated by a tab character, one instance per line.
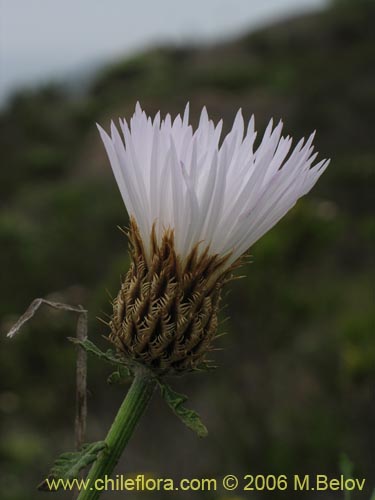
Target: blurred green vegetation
295	385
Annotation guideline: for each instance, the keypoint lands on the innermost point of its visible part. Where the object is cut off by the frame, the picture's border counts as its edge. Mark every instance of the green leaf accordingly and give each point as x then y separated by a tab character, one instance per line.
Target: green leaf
189	417
346	465
109	355
347	469
68	465
121	376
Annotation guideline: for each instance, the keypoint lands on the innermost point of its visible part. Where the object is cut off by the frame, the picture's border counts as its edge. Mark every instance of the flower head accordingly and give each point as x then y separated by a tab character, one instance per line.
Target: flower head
196	205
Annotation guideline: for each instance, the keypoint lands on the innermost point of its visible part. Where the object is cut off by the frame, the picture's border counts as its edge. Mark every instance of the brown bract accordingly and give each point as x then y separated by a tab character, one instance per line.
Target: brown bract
165	314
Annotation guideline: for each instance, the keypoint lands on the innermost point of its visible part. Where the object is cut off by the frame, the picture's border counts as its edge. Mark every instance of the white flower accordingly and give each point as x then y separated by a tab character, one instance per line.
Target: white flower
196	205
224	196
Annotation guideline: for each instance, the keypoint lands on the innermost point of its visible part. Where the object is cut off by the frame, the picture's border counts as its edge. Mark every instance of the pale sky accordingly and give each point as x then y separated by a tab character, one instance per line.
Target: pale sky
43	40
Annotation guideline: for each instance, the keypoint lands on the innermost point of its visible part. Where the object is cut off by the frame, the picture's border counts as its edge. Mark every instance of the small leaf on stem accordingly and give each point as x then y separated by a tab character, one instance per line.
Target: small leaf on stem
121	376
109	355
189	417
68	465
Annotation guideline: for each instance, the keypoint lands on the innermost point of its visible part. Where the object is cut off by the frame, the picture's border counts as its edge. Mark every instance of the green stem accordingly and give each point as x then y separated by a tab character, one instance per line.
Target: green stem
119	434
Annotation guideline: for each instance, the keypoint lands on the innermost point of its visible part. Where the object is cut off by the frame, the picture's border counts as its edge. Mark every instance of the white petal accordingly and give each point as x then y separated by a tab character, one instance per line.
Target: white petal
225	197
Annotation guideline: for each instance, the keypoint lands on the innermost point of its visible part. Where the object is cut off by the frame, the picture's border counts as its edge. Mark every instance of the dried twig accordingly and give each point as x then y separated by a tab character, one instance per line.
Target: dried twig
32	309
81	382
81	370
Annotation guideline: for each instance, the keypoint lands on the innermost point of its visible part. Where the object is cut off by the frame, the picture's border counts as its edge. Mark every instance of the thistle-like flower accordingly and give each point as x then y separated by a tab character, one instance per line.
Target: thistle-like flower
196	204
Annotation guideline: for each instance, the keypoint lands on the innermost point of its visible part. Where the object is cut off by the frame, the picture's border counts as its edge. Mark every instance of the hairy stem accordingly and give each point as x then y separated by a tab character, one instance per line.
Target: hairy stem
119	434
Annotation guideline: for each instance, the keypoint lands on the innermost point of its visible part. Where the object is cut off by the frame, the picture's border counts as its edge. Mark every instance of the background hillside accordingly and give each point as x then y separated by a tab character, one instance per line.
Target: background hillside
294	387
